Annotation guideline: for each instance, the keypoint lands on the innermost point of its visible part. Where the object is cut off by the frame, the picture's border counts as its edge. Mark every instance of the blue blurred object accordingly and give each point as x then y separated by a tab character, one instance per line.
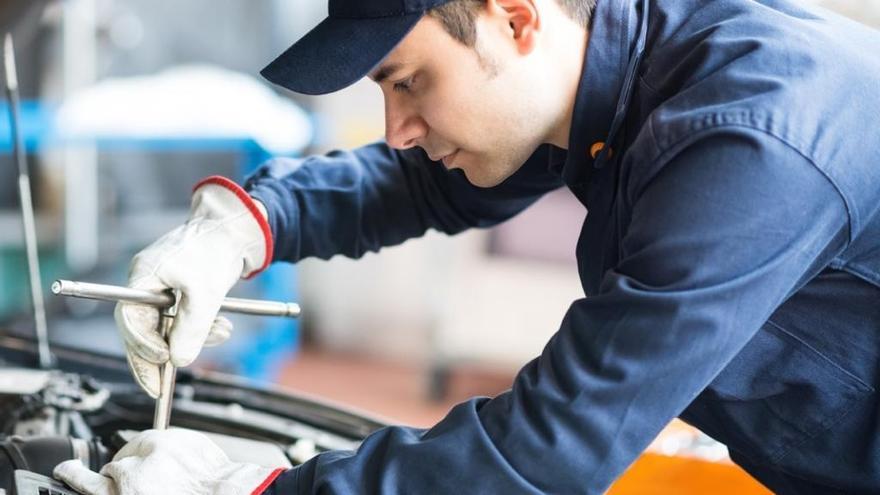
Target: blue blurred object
266	342
36	126
263	357
277	339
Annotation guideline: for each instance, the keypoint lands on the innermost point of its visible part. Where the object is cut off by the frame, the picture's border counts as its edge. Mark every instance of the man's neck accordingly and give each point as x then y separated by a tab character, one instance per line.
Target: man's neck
571	54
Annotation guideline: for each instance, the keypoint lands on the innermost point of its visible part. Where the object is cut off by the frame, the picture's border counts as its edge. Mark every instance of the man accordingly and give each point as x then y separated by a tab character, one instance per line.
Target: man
729	159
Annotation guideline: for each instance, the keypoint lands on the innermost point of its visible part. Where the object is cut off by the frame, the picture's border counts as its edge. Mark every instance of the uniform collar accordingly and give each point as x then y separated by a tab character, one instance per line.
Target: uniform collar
616	42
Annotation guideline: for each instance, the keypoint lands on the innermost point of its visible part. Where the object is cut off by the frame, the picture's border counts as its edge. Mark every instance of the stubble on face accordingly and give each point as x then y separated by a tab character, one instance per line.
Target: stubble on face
478	103
508	112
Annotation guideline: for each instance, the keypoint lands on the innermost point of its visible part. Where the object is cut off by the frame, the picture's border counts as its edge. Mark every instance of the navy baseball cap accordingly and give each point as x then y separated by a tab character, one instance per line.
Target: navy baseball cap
347	45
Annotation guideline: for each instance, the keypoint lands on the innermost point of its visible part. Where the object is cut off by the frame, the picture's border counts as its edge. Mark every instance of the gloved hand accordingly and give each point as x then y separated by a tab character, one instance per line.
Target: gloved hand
169	461
226	238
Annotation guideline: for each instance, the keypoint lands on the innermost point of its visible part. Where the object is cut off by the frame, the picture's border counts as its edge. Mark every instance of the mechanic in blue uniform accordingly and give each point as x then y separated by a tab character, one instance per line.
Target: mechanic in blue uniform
728	154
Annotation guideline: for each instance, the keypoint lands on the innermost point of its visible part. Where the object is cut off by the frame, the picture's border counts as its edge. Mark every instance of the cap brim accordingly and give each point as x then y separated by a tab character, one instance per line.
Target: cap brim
337	53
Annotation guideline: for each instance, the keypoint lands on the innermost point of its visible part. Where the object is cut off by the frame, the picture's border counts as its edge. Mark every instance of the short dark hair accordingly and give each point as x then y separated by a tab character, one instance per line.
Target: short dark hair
459	16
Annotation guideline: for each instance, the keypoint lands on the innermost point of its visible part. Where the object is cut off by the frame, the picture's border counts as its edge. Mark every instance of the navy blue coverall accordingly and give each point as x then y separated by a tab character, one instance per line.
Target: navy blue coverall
730	260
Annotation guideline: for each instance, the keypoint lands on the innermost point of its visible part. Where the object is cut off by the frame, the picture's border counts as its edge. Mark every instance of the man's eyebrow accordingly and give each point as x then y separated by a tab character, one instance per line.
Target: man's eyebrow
384	72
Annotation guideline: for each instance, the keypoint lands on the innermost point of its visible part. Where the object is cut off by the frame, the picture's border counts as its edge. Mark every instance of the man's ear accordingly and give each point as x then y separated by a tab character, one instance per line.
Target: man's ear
522	17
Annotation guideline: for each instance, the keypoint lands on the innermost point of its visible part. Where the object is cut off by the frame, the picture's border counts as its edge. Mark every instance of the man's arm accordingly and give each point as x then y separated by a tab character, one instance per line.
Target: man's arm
719	237
358	201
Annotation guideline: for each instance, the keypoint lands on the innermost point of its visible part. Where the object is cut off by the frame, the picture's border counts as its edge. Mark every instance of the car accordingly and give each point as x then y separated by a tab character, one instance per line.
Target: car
87	406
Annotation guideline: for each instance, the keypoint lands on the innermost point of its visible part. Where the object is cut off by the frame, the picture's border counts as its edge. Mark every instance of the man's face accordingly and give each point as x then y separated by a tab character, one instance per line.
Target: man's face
472	108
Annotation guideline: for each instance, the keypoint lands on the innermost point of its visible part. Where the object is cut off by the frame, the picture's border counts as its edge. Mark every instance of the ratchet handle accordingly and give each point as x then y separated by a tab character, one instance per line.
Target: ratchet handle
162	300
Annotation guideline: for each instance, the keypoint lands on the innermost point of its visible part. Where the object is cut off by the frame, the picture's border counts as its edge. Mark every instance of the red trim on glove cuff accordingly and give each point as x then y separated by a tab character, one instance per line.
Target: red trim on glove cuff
251	206
268	481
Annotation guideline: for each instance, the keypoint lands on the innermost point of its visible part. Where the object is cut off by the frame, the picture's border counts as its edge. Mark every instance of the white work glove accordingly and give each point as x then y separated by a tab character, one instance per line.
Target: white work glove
226	238
170	461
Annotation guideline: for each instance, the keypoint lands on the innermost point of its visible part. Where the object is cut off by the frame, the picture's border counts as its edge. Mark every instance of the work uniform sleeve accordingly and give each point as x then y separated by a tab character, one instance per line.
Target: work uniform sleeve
352	202
719	236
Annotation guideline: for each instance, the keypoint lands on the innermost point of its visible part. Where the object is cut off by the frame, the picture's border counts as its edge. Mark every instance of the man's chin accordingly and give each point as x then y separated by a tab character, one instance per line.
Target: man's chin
483	180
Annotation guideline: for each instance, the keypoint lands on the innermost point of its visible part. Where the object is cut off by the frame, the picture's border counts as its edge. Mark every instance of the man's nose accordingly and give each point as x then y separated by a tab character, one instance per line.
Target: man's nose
403	127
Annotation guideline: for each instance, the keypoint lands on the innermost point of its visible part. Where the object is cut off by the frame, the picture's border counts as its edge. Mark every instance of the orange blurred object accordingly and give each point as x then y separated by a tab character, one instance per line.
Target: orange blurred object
655	474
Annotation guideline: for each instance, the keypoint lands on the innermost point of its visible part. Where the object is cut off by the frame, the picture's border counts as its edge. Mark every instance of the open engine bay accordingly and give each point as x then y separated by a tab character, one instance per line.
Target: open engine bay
88	406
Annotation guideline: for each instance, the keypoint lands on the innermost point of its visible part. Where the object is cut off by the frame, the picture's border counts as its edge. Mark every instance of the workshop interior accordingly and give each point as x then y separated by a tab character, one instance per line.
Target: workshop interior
113	110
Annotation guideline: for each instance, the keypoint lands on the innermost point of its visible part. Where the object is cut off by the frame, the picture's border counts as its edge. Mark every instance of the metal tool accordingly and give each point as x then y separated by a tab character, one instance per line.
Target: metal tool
167	372
167	303
115	293
27	205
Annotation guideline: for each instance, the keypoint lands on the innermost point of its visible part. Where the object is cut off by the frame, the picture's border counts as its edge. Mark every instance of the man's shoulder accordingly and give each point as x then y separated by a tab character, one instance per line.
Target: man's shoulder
770	66
697	38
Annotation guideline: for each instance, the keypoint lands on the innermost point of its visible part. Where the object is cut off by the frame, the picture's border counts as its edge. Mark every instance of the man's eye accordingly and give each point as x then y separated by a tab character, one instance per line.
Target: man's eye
403	86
